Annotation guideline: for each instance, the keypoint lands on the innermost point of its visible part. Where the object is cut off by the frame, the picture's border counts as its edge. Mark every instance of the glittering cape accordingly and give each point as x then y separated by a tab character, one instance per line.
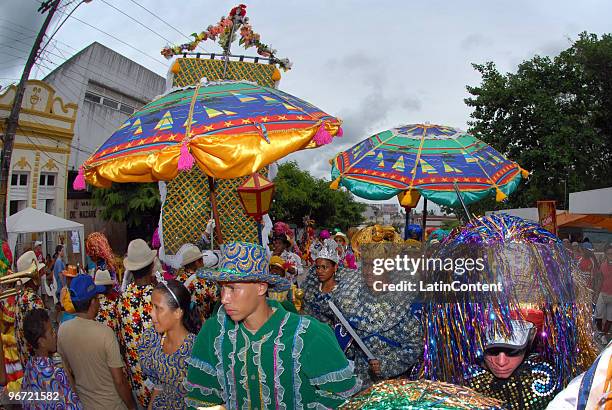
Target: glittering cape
529	261
384	322
292	361
420	394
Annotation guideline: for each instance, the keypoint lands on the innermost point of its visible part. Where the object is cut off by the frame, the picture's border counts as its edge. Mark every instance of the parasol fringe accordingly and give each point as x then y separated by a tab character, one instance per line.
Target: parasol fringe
340	132
79	181
524	173
335	183
322	137
499	195
186	160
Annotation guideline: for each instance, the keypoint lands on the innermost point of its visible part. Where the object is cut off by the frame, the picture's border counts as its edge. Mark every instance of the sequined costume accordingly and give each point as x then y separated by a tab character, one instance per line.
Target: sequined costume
384	322
134	313
291	362
531	387
28	300
42	376
166	373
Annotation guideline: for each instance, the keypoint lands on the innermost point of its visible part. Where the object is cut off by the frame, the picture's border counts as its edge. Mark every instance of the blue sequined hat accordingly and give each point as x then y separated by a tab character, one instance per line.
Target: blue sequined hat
244	262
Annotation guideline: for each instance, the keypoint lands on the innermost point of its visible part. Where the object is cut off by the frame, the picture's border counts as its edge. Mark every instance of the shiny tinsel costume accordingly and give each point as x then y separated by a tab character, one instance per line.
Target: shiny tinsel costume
531	386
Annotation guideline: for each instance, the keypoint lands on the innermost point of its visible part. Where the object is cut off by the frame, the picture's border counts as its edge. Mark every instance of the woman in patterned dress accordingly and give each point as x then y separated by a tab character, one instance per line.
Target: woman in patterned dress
107	313
163	351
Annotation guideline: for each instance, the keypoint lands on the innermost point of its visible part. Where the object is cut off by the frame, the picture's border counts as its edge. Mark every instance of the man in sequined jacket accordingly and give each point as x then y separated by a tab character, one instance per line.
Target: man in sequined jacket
511	373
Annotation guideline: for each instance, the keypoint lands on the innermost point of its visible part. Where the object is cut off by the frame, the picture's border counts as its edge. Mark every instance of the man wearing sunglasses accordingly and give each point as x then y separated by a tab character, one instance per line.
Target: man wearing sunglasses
510	372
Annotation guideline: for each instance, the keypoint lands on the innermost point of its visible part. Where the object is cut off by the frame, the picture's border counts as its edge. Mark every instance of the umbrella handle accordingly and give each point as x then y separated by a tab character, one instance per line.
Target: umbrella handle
467	212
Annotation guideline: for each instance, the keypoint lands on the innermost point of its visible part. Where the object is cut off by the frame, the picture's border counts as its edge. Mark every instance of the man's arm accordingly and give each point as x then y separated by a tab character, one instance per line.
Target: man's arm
122	386
326	367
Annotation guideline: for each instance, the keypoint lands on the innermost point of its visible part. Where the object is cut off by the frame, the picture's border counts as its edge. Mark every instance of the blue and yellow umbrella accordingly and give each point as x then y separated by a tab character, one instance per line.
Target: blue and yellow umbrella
427	160
229	129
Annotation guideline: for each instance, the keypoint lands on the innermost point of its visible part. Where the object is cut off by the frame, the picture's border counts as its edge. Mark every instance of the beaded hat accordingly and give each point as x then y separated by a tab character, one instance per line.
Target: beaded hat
244	262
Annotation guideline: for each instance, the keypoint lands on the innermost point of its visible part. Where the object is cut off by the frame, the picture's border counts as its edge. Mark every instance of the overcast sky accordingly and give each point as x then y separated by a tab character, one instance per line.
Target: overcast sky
374	64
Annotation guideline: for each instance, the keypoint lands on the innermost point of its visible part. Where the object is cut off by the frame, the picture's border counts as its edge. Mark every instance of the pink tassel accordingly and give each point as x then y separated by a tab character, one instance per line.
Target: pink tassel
340	132
322	137
79	181
186	160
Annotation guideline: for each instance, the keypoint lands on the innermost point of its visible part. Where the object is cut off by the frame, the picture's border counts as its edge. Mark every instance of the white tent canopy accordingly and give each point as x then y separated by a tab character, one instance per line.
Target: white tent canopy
32	220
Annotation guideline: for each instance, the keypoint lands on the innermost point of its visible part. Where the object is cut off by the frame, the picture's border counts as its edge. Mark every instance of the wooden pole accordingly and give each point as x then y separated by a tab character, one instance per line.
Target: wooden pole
424	222
213	202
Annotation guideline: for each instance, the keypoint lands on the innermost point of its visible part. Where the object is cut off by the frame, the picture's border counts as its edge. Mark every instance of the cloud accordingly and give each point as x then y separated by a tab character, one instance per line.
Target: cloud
475	40
19	24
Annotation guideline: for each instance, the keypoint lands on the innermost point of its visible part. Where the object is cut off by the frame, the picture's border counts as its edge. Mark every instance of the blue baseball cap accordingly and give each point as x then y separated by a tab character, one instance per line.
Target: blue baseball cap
83	288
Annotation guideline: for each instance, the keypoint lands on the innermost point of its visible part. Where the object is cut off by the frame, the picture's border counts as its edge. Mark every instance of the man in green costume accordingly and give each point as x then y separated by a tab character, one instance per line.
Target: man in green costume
253	353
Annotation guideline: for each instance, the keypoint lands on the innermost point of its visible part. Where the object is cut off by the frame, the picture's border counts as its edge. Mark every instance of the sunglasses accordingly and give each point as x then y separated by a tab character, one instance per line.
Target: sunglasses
495	351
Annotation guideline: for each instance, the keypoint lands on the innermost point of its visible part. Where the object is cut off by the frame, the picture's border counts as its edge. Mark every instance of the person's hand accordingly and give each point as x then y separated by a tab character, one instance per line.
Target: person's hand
375	367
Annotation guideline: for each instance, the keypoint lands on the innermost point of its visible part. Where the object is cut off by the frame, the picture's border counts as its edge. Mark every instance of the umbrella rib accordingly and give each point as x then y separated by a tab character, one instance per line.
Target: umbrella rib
363	156
417	159
477	163
190	115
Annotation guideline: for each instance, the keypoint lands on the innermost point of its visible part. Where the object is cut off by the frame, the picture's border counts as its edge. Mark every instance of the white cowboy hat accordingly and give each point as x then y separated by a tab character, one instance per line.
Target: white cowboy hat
25	261
139	255
103	278
189	253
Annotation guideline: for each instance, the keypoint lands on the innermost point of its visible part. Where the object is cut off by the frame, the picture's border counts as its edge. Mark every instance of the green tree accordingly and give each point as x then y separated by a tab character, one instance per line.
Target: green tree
128	203
298	194
553	117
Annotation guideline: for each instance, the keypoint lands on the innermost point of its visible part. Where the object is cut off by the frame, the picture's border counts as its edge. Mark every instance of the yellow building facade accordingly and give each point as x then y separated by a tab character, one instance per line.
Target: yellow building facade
39	163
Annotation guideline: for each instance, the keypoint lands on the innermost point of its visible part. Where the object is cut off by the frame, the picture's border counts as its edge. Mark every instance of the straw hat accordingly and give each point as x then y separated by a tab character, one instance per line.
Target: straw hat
103	278
70	272
139	255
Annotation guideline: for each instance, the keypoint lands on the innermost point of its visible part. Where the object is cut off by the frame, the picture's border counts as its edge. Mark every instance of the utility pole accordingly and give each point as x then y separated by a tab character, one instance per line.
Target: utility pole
13	120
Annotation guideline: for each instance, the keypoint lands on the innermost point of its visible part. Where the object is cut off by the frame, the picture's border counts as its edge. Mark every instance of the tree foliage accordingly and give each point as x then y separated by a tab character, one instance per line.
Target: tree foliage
553	117
298	194
127	202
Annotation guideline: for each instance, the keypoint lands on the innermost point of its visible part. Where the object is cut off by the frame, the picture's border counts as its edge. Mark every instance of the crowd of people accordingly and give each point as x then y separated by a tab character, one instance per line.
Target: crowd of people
289	326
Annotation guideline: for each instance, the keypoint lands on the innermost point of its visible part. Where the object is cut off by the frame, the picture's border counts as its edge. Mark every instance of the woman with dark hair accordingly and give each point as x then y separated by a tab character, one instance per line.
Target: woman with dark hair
41	376
164	350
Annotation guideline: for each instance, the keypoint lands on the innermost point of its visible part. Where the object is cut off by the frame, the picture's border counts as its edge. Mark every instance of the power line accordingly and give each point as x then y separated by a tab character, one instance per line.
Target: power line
33	31
143	98
135	20
59	25
160	19
119	40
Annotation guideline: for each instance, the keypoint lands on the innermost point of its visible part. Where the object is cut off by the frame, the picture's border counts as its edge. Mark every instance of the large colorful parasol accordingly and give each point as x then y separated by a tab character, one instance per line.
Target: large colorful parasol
427	160
229	129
